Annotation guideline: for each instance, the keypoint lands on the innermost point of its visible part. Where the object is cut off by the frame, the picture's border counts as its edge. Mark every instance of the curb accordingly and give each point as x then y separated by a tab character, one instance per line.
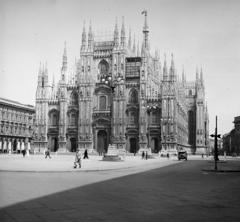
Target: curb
222	171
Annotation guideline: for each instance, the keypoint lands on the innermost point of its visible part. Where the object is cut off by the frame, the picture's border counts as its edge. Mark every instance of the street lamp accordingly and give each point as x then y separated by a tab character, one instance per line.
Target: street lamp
216	136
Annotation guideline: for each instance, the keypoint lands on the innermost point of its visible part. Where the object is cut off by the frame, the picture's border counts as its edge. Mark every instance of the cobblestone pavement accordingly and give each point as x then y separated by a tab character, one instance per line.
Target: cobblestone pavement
177	192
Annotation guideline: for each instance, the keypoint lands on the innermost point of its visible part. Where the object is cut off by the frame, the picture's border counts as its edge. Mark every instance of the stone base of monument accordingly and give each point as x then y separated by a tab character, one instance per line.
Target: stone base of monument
112	154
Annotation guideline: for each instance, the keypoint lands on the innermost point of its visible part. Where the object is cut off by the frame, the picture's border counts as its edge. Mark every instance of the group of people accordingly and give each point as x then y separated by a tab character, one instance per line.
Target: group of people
144	155
78	158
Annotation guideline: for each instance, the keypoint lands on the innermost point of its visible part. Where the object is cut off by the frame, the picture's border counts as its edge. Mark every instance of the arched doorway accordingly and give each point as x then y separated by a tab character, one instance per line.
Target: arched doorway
73	142
133	145
54	144
102	141
154	145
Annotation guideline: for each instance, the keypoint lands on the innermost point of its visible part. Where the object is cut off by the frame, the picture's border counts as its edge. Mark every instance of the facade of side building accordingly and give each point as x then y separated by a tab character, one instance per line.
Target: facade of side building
16	126
231	140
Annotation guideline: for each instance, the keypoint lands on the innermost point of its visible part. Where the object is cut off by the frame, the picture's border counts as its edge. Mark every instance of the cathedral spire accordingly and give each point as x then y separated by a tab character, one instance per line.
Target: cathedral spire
40	75
40	69
84	38
165	71
130	39
156	54
201	76
90	36
143	50
134	45
123	37
197	74
172	62
145	31
172	69
53	81
138	52
116	35
46	69
183	75
64	63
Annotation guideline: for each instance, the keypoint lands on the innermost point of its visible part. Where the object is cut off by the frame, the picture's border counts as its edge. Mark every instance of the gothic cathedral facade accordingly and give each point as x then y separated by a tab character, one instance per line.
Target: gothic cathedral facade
119	95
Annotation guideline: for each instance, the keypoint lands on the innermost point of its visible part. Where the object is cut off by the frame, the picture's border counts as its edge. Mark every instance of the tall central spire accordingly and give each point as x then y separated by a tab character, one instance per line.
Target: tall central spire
90	36
145	31
116	37
84	38
64	63
130	39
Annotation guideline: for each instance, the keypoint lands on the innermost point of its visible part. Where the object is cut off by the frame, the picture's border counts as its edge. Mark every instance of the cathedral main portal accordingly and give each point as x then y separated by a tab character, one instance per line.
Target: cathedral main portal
102	144
73	142
133	145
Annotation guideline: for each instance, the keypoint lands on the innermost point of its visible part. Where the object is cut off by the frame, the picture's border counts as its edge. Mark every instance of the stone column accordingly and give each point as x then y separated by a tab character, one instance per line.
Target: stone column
18	146
10	146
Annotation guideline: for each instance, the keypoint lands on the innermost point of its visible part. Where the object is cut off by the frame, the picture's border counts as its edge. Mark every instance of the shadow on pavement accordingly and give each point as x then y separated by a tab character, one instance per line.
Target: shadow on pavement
175	193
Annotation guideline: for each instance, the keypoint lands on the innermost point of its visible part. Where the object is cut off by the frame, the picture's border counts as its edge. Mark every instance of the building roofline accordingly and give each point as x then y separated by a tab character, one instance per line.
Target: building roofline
16	104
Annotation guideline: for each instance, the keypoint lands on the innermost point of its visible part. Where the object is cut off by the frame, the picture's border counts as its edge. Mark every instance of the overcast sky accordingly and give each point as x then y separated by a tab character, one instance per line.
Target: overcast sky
199	33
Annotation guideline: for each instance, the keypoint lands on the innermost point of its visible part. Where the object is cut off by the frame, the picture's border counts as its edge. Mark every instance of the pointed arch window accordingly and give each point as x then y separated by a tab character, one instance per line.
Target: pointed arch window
74	99
102	103
53	118
103	67
73	119
133	96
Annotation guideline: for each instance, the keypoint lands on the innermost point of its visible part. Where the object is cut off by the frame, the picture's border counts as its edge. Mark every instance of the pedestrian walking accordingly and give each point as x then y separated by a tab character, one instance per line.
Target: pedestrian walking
85	155
77	161
168	155
23	152
146	156
143	155
47	154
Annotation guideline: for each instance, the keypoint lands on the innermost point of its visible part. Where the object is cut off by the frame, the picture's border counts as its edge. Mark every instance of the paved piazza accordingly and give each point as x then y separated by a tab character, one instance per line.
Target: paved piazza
64	163
34	176
135	190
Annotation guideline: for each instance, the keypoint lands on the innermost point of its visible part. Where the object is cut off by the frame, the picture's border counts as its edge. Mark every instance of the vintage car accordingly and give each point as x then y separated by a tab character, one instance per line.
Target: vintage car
182	155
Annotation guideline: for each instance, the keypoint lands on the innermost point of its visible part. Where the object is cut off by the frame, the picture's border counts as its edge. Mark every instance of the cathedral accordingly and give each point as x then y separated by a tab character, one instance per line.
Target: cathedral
120	95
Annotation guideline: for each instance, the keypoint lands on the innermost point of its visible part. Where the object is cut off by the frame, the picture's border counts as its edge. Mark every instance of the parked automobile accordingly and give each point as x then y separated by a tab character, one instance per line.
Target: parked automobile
182	155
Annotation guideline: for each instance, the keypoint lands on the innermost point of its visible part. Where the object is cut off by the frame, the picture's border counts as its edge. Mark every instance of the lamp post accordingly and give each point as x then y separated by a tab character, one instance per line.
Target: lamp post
216	136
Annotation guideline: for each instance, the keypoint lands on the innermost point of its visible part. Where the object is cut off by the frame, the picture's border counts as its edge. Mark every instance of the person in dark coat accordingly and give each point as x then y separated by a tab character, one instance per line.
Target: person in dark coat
24	152
143	154
47	153
85	155
146	156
